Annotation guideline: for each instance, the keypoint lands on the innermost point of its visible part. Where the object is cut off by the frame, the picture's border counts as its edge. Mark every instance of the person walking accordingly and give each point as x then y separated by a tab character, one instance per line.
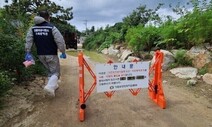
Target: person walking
47	39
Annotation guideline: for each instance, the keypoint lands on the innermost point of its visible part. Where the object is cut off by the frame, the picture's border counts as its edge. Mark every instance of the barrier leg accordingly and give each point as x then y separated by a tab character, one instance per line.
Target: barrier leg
83	96
81	88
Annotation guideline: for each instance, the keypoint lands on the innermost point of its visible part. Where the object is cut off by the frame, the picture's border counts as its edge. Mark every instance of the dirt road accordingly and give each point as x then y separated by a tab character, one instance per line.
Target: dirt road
122	110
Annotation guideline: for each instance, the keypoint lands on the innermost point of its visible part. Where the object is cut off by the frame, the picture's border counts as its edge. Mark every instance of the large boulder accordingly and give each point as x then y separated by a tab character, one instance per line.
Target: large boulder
200	56
112	51
125	55
208	46
207	78
104	51
184	72
201	60
131	58
167	60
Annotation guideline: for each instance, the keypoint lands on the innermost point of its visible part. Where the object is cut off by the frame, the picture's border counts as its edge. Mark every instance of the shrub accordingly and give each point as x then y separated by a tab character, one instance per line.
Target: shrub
173	65
142	38
5	83
12	57
206	69
28	73
202	71
12	52
182	59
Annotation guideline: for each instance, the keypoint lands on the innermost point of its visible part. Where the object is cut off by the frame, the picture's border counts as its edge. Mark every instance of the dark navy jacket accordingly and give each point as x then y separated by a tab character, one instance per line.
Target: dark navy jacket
44	40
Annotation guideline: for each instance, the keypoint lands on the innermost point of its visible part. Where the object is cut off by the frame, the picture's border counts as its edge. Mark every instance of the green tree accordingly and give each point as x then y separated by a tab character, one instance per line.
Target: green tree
22	7
92	29
142	15
20	11
94	40
142	38
168	35
195	27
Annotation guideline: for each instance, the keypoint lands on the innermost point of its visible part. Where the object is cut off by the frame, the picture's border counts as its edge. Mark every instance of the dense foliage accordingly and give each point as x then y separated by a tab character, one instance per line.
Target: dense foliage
143	29
103	38
142	39
6	82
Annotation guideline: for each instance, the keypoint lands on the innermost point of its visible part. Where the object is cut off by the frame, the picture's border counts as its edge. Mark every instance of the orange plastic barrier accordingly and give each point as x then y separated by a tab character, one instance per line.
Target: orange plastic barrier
82	95
155	86
155	89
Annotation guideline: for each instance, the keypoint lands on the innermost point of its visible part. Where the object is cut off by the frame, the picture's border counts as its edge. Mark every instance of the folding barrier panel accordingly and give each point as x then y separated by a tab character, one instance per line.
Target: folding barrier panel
155	89
155	85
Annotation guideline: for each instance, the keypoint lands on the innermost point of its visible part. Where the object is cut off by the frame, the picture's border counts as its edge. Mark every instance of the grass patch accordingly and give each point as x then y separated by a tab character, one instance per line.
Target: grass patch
72	53
97	57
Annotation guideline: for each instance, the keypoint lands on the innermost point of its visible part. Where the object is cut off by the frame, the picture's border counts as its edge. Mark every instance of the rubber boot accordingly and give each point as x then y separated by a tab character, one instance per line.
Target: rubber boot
52	85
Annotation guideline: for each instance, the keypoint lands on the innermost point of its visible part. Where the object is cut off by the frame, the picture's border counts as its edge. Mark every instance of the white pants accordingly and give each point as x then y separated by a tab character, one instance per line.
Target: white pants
52	82
52	64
